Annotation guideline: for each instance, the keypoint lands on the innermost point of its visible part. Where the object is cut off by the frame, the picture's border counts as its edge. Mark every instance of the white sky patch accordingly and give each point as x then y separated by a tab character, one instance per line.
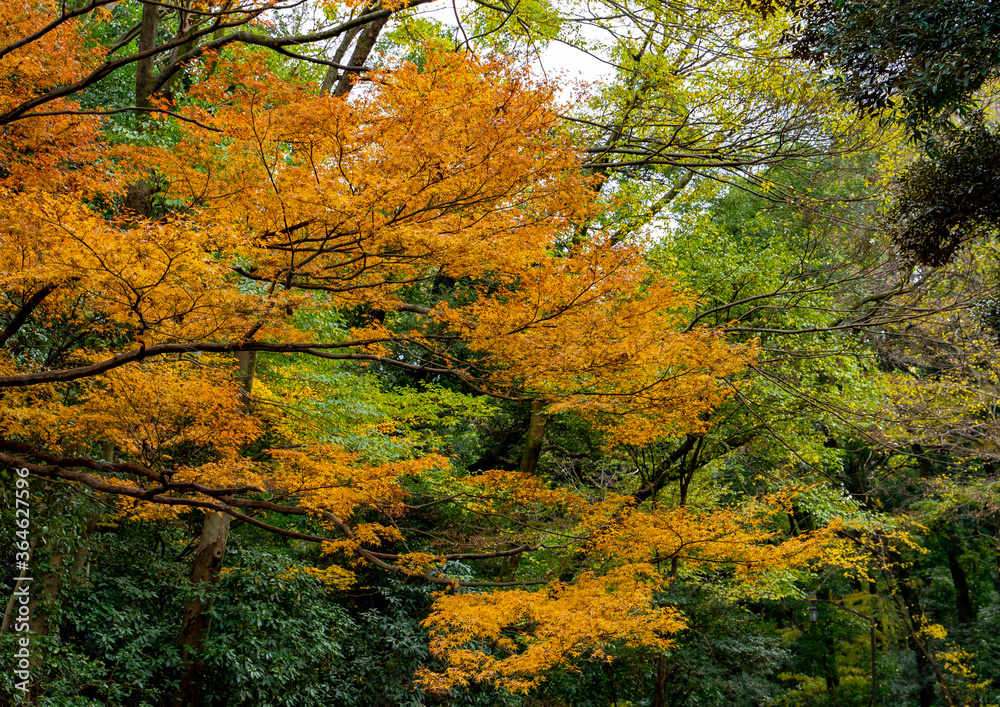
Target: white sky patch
560	62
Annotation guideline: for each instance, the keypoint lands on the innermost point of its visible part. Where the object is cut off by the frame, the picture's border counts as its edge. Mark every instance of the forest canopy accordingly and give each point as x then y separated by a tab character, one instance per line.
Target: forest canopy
352	355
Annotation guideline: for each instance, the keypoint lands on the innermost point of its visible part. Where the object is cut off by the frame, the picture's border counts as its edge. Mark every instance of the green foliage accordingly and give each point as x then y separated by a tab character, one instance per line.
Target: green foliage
415	36
729	656
507	26
384	645
928	57
784	276
944	201
275	635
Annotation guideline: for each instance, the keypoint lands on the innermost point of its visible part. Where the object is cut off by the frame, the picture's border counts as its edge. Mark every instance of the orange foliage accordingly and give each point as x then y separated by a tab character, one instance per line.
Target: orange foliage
595	331
329	478
443	172
530	633
511	638
153	410
156	279
54	152
440	170
454	172
451	171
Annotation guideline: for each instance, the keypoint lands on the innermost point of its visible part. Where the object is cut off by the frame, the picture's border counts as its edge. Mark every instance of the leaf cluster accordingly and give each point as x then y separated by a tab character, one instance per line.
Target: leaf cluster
944	201
925	57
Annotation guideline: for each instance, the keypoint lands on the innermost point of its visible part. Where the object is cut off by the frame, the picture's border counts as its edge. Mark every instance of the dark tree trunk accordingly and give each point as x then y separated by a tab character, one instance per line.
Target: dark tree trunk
366	42
659	696
144	76
195	624
953	549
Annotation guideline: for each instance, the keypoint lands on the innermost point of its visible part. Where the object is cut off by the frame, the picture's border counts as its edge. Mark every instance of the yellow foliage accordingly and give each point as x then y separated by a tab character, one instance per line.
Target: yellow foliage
335	578
530	633
738	537
330	478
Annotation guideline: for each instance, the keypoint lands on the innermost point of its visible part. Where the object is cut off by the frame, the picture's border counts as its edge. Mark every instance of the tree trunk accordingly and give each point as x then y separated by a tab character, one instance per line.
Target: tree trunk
953	549
535	437
43	601
80	558
659	695
366	42
248	368
333	73
148	26
185	23
45	594
204	569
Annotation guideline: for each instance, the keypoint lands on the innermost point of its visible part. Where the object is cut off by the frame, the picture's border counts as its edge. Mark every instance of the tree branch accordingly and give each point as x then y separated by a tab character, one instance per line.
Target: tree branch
22	314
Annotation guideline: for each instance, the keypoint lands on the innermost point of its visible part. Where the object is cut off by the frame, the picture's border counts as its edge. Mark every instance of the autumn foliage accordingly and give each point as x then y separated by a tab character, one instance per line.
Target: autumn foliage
439	209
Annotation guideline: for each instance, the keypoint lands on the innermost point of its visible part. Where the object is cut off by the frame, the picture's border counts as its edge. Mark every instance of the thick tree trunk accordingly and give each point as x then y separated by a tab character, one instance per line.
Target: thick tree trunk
248	368
148	26
366	42
185	23
535	437
43	604
333	73
195	624
498	456
83	551
953	550
139	196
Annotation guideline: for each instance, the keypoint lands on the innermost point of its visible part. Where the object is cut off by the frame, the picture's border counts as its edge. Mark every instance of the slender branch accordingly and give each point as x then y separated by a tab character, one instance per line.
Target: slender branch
144	352
131	109
22	314
63	18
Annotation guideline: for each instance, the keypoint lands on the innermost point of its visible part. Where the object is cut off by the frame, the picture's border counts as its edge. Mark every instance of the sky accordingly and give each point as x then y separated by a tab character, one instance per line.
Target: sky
557	61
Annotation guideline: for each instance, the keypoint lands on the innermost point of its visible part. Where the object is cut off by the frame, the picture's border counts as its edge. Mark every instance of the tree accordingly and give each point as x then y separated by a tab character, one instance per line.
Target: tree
927	58
946	202
928	65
